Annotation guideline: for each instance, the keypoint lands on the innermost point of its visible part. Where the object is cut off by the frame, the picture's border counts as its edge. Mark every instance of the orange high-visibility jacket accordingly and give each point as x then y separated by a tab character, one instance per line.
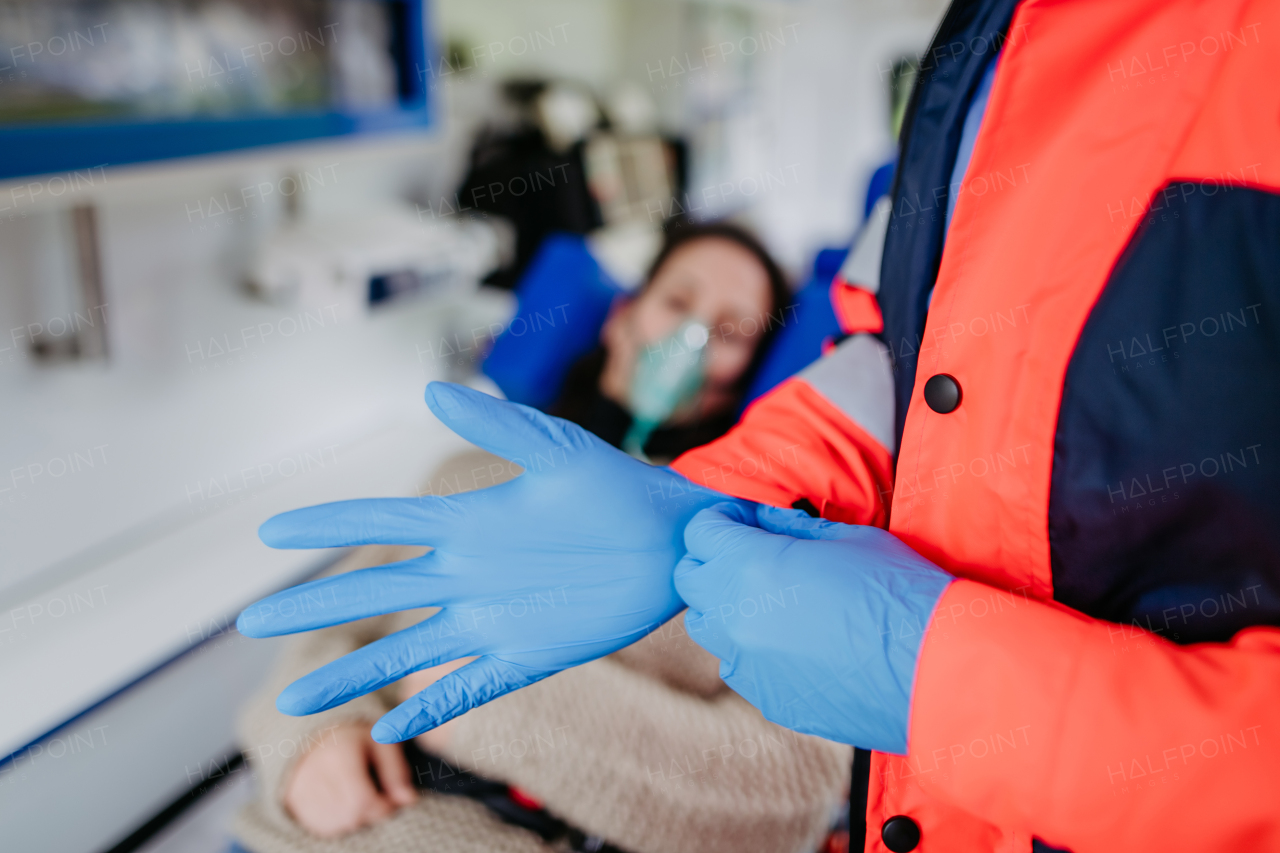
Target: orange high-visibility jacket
1106	301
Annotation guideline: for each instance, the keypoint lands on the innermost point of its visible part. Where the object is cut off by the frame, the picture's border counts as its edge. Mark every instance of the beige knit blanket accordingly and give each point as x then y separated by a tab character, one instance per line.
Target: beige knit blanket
646	748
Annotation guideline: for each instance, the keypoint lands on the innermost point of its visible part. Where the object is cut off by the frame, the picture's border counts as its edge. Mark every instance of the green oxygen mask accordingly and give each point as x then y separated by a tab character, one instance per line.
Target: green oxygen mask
668	374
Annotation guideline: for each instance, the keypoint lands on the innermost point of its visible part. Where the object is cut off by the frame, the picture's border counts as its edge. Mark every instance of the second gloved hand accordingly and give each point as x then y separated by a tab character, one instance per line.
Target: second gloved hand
569	561
818	624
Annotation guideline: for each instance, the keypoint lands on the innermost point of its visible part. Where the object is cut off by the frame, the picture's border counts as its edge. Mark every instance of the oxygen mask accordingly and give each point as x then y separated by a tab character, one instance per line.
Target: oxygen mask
668	374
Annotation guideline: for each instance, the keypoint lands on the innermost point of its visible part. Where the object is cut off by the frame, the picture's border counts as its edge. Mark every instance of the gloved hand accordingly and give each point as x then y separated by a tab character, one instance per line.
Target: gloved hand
818	624
569	561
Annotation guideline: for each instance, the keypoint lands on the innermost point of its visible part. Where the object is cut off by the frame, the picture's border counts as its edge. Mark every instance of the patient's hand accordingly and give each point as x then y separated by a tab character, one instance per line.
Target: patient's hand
435	740
332	791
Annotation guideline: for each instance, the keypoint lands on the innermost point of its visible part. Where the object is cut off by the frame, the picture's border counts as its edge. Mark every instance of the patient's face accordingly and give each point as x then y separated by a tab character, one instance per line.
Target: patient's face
718	283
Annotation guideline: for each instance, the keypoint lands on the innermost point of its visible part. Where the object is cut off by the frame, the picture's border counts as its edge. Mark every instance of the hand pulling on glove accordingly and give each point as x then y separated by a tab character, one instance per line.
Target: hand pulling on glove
818	624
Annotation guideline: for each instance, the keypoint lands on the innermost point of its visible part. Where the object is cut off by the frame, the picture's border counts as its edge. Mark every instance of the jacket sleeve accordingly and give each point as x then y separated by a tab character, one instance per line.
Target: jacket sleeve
1095	736
826	435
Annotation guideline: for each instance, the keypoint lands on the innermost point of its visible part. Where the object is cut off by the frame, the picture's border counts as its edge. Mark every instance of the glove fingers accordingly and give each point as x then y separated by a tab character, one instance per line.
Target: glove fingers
703	587
515	432
707	630
347	597
437	640
371	521
798	523
721	527
458	692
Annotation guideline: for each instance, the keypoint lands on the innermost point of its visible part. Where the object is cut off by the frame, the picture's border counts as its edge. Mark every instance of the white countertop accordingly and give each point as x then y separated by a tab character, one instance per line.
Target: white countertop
110	569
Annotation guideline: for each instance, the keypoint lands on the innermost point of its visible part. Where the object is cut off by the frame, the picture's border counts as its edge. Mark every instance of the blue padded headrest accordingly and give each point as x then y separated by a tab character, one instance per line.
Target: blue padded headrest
813	322
808	323
880	184
564	297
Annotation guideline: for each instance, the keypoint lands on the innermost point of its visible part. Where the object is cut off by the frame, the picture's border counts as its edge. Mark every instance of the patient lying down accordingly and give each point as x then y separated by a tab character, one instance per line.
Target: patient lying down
644	751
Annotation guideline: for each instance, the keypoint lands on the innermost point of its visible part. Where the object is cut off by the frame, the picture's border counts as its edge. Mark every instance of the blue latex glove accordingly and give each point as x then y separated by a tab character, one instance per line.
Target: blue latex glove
818	624
569	561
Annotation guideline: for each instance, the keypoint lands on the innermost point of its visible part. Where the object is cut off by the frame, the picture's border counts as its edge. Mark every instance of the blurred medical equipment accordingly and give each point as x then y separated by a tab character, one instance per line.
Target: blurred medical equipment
566	114
566	167
632	179
356	261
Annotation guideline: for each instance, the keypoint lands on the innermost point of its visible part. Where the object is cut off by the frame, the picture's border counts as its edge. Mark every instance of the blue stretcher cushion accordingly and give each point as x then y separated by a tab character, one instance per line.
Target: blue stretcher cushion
810	321
564	297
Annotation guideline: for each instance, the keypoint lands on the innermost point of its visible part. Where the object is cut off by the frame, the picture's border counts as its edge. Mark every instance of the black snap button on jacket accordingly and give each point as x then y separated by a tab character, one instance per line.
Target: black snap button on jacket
942	393
900	834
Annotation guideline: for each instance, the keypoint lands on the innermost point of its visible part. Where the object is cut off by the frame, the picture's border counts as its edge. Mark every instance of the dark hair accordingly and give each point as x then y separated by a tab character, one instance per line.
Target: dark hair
678	232
579	398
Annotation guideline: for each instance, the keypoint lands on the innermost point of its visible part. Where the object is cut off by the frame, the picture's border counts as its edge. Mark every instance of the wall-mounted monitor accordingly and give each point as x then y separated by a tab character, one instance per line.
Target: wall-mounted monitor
87	84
